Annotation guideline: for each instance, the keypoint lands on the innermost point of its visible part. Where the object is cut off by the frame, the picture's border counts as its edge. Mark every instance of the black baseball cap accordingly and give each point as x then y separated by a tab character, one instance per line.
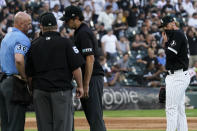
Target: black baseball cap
71	12
48	19
165	20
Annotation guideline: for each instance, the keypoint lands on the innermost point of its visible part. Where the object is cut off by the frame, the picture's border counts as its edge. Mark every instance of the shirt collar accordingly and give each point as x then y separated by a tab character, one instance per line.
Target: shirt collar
16	29
82	24
50	33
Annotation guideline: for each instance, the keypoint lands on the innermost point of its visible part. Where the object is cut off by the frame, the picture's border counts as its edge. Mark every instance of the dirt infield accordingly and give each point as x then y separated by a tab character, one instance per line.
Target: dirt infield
123	123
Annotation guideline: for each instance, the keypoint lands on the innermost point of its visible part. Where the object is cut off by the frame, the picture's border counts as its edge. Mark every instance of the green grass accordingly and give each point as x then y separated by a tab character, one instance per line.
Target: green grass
119	130
130	113
143	113
131	130
30	114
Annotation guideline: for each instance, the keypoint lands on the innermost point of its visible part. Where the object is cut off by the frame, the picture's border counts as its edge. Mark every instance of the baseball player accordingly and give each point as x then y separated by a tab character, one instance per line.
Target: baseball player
178	78
92	70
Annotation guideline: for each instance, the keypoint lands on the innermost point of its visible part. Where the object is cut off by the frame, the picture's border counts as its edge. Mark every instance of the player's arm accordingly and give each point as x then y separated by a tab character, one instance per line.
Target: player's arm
78	77
88	73
20	65
29	68
87	51
20	50
174	46
171	52
75	61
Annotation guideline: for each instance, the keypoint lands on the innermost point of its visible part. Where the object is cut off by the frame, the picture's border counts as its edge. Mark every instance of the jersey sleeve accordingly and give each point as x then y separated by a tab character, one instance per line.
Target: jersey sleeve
75	60
86	44
22	46
175	44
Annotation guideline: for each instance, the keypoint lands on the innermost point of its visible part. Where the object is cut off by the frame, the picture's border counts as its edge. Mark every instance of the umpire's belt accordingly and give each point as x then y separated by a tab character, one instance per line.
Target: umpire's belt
5	76
169	72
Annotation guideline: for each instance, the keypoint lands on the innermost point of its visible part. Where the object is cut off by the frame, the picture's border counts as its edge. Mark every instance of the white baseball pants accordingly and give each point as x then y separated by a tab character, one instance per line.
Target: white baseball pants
176	84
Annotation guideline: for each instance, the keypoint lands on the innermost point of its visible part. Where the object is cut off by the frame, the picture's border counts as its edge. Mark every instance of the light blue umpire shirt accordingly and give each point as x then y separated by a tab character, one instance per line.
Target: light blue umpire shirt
13	42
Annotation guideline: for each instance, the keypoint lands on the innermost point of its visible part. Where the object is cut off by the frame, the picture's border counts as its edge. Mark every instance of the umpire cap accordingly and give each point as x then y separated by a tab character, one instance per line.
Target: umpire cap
71	12
165	20
48	19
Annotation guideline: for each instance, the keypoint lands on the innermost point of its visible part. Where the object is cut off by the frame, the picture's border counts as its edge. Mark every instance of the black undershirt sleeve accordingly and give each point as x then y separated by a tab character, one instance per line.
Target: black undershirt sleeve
75	60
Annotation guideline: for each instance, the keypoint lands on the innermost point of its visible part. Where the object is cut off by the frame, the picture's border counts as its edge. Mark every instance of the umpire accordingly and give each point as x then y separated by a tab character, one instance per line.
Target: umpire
51	67
178	78
13	51
92	70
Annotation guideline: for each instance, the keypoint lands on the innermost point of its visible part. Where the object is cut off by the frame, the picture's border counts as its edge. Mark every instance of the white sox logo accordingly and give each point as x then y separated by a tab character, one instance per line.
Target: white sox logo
173	43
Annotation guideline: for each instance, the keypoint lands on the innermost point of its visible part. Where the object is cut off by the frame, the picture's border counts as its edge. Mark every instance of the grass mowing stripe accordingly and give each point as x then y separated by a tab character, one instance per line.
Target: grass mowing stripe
137	113
132	130
125	130
118	130
130	113
30	114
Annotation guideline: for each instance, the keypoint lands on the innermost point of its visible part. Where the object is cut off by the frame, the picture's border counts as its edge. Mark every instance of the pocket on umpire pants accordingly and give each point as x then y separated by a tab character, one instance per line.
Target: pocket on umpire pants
21	93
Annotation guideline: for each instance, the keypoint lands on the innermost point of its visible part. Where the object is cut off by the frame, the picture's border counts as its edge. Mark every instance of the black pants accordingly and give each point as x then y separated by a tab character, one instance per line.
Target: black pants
12	115
54	110
93	105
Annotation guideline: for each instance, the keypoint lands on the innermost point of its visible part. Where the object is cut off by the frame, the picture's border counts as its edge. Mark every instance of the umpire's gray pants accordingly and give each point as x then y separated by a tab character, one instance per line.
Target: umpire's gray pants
12	115
54	110
92	106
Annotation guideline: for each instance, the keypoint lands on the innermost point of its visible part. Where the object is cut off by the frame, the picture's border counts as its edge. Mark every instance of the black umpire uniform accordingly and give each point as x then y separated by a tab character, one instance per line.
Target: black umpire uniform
50	64
87	44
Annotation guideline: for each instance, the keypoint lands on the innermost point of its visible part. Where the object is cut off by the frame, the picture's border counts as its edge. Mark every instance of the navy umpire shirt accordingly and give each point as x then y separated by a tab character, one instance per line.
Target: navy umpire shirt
56	58
88	45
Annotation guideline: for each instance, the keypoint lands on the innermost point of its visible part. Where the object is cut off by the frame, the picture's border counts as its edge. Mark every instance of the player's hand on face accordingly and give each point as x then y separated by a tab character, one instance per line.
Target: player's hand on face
86	91
165	38
79	92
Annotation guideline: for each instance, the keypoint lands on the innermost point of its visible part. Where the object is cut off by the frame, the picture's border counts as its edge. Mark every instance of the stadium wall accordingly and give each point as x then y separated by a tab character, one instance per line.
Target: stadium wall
124	98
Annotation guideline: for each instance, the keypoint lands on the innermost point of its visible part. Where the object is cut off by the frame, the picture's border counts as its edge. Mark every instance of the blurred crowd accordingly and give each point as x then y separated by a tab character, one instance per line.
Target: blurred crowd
131	46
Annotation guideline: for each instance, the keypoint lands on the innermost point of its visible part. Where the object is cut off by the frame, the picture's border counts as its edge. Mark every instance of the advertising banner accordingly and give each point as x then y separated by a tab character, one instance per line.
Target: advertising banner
126	98
119	98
